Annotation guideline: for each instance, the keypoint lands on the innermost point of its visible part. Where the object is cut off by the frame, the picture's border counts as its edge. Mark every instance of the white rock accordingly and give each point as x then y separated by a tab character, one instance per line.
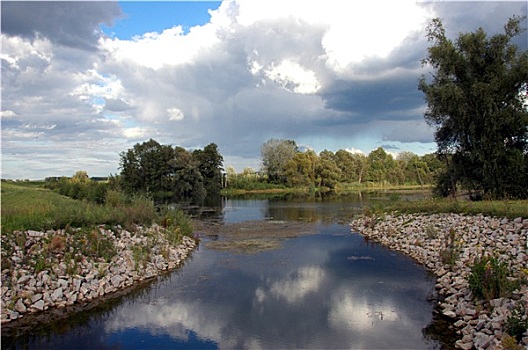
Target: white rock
116	280
24	279
39	305
57	294
36	297
20	307
462	345
449	313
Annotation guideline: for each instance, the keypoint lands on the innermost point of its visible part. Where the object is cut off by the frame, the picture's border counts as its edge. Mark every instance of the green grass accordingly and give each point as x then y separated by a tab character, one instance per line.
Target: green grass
32	207
505	208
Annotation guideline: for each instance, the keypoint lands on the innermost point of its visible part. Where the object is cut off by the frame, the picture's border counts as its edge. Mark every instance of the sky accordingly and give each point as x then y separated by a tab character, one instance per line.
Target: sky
84	81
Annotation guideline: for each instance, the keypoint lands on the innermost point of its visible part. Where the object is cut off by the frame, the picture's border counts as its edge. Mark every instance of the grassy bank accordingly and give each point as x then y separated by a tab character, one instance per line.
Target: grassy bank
341	188
32	207
505	208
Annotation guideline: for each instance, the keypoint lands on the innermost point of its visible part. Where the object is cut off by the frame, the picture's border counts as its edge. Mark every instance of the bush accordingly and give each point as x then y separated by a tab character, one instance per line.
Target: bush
451	252
517	322
491	278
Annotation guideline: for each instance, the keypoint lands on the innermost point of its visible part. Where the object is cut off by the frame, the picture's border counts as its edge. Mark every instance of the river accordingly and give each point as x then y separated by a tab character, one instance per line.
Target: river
325	288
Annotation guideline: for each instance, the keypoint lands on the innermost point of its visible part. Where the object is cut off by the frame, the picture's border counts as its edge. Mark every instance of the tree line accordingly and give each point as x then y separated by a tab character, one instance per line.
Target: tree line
160	172
283	164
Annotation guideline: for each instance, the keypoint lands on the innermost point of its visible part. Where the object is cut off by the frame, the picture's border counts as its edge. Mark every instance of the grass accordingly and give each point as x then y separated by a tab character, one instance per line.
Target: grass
26	207
34	208
505	208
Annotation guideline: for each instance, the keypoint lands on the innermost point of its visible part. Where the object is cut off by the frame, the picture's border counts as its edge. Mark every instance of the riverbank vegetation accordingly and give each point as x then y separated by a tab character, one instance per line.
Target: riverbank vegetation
30	206
287	167
499	208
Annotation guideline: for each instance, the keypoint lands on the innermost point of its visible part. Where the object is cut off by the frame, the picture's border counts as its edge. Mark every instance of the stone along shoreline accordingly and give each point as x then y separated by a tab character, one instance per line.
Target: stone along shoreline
481	324
55	269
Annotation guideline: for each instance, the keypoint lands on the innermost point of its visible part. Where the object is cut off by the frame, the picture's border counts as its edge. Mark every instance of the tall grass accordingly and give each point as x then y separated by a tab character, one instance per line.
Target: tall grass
34	208
504	208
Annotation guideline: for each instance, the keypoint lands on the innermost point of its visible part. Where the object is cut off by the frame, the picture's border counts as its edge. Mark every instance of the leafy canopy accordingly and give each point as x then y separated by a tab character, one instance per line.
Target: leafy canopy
477	101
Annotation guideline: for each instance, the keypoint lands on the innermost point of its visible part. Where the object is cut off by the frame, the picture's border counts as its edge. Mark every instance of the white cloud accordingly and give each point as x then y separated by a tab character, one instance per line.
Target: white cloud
135	133
175	114
293	77
95	88
170	47
371	29
7	114
340	73
294	288
350	311
354	150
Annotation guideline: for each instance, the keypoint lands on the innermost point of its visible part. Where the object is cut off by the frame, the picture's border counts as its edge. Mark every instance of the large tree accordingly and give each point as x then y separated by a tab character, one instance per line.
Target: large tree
166	173
209	162
476	100
275	156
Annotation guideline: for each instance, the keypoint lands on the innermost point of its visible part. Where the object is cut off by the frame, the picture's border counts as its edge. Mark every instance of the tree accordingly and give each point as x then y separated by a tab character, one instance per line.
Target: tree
166	173
80	176
381	164
209	163
275	155
327	171
187	180
147	168
300	170
476	100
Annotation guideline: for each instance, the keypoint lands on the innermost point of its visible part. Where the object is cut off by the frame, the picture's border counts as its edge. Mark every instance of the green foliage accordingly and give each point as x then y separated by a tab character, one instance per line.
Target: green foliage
275	156
451	252
506	208
80	187
26	208
491	278
510	343
176	222
517	322
209	163
477	102
284	164
171	174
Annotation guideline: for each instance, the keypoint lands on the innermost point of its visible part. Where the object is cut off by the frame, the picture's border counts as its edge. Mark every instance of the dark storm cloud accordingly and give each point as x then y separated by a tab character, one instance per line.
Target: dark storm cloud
376	94
379	99
73	24
459	17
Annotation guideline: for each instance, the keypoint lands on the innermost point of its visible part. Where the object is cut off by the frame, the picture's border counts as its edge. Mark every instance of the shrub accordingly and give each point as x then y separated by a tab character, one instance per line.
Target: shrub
115	198
451	252
491	278
517	322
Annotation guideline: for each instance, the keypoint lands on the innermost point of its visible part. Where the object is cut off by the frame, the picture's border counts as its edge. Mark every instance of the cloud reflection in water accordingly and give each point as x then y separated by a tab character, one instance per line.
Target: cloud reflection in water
314	301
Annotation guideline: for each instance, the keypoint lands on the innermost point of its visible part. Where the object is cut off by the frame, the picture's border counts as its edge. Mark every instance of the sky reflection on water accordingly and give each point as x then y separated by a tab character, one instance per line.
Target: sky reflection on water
307	295
328	290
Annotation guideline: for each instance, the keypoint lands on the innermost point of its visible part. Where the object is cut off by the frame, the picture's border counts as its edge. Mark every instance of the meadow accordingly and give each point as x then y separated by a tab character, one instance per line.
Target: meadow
29	206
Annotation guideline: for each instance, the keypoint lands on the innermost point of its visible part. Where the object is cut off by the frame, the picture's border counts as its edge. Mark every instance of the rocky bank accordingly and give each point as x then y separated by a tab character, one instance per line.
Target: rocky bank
480	324
52	269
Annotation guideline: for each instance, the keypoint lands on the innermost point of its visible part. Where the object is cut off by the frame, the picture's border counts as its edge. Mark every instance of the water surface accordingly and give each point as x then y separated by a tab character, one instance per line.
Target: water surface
330	289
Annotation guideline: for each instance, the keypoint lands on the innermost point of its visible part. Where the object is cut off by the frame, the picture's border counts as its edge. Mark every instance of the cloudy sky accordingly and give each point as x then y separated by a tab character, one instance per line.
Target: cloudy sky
84	81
